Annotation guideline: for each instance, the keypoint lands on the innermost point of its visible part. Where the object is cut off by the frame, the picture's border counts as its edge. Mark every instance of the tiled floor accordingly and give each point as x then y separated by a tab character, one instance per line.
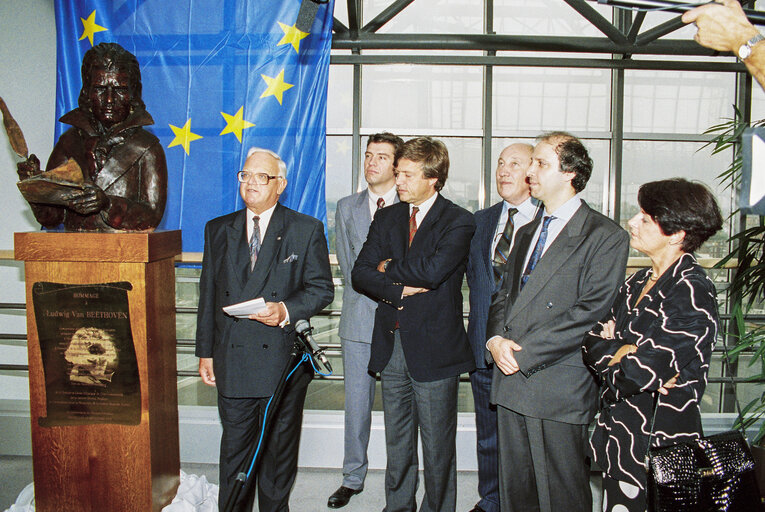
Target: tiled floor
312	488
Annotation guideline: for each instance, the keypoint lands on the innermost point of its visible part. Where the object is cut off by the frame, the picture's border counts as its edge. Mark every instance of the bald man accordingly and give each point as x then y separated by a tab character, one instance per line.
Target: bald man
489	249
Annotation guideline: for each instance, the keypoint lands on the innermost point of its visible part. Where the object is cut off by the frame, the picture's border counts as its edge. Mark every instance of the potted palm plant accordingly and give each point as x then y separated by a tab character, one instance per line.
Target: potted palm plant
747	286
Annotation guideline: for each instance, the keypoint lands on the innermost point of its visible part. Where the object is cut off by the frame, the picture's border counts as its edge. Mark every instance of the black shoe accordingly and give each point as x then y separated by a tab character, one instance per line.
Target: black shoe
341	497
477	509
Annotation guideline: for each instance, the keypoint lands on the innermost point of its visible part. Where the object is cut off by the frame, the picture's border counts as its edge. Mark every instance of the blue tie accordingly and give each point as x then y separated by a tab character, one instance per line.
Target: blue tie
536	255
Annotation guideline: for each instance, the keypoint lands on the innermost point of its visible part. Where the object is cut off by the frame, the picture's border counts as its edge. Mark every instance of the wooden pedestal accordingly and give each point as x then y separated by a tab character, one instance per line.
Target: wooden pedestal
104	467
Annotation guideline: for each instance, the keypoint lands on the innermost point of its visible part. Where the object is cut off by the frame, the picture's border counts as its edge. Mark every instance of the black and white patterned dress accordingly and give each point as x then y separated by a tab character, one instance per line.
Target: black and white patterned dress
674	328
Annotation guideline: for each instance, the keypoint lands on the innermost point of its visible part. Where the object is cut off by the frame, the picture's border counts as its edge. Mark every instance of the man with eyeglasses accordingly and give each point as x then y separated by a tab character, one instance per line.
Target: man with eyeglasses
353	216
413	263
264	250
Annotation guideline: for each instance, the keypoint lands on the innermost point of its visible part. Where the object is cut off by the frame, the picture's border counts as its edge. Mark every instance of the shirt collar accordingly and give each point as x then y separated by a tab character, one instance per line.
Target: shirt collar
526	208
567	209
424	207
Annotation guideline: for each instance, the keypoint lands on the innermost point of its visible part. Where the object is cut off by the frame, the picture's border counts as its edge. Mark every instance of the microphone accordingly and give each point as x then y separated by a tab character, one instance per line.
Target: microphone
303	329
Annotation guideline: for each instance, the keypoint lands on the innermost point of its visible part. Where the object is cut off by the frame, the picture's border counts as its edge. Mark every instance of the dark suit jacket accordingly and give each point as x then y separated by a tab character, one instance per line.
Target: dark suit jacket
480	278
292	267
570	290
430	324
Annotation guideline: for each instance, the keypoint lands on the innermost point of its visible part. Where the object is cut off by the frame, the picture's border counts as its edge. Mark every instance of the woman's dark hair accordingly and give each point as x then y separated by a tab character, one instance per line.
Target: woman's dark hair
680	205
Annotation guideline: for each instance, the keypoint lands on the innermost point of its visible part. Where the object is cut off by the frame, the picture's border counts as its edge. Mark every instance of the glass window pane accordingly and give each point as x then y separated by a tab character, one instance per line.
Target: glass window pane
339	182
676	101
430	16
406	97
543	99
340	100
464	171
646	161
544	17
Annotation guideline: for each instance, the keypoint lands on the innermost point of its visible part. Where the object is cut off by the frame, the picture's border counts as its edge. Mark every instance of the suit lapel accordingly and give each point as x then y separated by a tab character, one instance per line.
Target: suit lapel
239	252
267	255
486	235
569	239
361	217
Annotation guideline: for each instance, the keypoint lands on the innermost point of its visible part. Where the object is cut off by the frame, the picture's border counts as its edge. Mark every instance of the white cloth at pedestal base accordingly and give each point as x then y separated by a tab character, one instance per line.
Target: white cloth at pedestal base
195	494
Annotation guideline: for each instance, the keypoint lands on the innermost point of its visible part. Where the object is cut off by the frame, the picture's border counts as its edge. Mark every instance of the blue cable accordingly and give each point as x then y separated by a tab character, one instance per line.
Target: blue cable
265	415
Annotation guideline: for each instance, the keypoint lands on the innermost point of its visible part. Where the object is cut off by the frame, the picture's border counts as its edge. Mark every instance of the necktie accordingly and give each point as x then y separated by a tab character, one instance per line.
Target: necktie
536	255
254	241
502	250
380	203
413	224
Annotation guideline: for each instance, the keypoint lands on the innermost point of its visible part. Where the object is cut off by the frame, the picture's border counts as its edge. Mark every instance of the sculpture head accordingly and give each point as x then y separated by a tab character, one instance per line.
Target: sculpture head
111	84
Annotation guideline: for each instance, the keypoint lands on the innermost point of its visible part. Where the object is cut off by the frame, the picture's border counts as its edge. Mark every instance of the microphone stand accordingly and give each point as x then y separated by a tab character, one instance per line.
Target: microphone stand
296	355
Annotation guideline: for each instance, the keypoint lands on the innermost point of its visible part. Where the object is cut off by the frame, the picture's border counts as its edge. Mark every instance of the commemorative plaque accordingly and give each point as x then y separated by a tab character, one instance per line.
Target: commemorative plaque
88	355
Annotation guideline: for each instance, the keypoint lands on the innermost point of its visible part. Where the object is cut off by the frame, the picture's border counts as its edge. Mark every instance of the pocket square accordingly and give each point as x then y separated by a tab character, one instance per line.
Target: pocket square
289	259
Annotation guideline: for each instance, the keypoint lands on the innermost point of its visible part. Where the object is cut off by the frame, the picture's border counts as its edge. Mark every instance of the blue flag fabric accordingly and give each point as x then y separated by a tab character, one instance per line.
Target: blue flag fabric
219	77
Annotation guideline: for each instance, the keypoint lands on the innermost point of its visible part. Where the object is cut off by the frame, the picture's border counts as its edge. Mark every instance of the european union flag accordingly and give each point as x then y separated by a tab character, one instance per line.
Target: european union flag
219	76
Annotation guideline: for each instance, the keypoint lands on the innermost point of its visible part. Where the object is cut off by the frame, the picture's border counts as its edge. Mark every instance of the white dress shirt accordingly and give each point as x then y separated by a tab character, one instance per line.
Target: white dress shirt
388	197
263	220
562	215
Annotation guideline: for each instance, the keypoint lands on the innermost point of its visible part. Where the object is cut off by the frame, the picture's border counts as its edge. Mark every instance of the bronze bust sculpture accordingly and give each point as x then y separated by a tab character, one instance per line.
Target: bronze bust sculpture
124	184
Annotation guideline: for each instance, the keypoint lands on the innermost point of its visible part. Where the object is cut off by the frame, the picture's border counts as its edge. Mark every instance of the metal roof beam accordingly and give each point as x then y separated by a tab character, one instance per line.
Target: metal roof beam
635	27
601	23
500	42
659	31
339	28
560	62
386	15
354	16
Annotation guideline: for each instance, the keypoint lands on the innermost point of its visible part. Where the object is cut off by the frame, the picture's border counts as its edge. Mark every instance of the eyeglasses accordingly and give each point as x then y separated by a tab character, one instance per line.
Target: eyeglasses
261	178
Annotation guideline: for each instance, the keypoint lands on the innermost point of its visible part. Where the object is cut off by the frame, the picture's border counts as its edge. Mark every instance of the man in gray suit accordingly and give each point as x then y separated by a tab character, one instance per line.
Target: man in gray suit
560	279
352	219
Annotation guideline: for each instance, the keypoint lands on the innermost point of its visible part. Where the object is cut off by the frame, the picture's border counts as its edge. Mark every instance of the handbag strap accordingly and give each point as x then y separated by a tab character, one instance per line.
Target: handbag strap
726	367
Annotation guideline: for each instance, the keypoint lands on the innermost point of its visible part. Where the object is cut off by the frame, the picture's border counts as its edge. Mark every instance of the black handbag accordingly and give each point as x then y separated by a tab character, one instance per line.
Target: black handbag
710	474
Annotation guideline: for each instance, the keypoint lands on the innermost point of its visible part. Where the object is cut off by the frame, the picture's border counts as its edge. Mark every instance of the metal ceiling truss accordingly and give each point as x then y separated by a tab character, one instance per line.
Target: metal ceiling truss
621	40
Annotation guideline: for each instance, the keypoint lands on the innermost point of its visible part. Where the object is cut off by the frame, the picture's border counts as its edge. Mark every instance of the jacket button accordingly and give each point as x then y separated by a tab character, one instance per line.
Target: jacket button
273	294
265	346
227	294
506	329
549	305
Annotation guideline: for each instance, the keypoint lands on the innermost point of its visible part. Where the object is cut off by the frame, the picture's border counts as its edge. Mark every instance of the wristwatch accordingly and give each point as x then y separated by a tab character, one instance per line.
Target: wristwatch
745	50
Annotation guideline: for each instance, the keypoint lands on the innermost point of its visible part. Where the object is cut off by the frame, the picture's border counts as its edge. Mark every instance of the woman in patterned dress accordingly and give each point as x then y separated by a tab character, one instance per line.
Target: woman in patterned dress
655	344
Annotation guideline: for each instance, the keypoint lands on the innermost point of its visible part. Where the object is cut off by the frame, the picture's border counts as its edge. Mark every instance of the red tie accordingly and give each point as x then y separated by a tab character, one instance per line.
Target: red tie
413	224
380	203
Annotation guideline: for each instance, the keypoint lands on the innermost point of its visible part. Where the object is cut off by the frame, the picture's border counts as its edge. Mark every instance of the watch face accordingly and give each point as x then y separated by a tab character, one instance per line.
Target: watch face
744	51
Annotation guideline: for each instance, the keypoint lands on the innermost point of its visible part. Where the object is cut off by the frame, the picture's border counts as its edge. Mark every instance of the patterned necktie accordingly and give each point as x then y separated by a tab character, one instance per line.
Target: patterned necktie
536	255
254	241
413	224
380	203
502	251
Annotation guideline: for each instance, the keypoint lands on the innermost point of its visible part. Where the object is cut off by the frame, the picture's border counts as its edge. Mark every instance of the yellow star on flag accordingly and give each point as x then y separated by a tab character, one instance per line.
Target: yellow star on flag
89	27
276	86
292	35
236	123
183	136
